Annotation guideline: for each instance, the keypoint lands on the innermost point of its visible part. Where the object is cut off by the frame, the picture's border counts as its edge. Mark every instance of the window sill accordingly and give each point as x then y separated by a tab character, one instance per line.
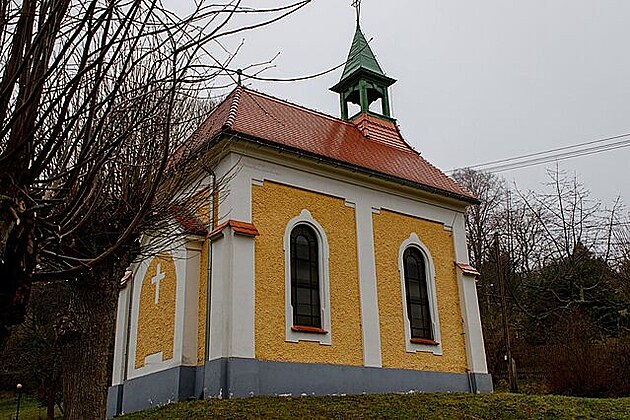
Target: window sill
314	330
424	341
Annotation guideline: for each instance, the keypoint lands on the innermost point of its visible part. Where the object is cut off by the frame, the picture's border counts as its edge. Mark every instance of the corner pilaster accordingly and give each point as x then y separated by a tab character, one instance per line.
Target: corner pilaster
475	350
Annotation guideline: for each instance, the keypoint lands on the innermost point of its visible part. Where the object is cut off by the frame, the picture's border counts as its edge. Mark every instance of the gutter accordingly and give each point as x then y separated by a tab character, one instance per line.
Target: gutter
212	222
349	166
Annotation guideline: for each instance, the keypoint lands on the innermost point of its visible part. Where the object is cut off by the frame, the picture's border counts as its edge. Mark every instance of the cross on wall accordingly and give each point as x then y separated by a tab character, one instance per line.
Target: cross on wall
159	276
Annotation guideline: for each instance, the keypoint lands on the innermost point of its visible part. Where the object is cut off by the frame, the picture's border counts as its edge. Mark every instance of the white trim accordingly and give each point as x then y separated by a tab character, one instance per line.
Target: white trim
122	334
306	218
370	327
178	254
352	179
415	242
154	359
475	349
232	297
322	182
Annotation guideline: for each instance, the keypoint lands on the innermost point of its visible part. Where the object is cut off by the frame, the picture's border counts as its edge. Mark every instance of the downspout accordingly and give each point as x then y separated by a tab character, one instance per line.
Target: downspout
128	332
211	225
125	374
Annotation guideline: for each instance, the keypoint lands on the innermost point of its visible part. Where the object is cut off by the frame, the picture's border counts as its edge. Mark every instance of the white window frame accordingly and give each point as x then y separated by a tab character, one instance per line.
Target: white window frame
414	242
305	218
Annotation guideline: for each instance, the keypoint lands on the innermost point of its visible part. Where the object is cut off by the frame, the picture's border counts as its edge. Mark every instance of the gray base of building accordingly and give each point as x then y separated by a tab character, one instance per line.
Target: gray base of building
234	377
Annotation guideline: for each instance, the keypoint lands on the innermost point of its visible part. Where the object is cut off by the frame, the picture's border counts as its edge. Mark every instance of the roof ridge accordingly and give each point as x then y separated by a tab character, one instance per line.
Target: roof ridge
411	148
231	118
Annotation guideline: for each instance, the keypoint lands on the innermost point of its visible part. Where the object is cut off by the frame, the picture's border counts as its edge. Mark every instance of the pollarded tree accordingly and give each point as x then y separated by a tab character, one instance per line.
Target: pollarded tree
93	99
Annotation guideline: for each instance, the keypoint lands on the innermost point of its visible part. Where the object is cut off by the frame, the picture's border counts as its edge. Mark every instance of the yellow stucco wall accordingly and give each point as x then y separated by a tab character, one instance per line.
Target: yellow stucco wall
203	289
273	206
156	322
390	231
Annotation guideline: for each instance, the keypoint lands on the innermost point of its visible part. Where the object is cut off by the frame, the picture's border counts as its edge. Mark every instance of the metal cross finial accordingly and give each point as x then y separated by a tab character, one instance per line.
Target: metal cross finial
357	5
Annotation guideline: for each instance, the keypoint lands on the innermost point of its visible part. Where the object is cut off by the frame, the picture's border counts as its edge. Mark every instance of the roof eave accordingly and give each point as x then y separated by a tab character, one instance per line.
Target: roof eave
345	81
469	200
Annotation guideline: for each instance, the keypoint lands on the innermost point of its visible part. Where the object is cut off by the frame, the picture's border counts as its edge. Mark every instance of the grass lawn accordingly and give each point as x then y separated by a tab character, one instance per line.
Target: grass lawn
29	409
426	406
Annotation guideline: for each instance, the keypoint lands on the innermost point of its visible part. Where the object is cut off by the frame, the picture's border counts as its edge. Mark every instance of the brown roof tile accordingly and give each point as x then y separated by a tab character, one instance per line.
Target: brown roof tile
278	123
241	228
468	270
189	222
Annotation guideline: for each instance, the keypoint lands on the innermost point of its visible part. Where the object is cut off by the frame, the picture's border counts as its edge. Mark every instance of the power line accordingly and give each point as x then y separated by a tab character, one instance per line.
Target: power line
559	157
553	155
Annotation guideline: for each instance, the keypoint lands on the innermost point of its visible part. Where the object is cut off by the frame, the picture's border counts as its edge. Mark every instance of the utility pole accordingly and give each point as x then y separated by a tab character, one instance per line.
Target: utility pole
504	318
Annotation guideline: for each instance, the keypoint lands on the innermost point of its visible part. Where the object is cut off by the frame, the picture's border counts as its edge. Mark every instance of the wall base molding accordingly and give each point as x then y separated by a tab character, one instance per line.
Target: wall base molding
238	378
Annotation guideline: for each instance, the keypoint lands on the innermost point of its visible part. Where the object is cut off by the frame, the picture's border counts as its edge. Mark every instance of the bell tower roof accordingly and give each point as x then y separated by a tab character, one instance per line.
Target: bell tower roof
361	56
363	81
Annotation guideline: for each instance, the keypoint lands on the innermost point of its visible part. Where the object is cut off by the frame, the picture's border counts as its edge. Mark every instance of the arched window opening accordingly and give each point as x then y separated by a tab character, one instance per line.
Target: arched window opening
418	309
305	287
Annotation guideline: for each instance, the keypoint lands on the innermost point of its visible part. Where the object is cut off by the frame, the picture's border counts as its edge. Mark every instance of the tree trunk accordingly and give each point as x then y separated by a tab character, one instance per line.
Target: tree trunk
17	261
87	335
50	405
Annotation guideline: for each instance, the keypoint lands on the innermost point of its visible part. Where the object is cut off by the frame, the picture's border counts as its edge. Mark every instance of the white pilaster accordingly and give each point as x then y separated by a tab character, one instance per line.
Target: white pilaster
475	349
236	190
367	286
120	341
243	295
220	304
232	301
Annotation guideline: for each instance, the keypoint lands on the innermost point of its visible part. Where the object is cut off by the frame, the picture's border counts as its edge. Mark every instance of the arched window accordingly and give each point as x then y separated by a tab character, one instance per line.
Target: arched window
417	295
305	287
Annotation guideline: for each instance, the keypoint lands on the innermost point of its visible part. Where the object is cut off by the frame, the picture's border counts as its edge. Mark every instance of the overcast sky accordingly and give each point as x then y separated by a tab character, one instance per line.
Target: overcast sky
477	80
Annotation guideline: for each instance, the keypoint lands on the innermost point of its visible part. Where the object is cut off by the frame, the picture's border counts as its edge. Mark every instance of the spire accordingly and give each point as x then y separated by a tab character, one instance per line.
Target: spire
361	56
363	81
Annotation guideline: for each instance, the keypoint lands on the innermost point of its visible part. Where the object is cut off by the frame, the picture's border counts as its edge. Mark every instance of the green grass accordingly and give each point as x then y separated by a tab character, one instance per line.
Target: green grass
424	406
29	409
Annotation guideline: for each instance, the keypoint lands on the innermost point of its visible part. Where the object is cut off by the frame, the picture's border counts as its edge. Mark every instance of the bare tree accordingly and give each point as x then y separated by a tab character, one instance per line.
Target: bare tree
560	253
562	233
94	97
482	220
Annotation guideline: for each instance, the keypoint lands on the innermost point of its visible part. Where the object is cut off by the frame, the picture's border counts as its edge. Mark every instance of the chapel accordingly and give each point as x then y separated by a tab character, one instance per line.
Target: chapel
335	263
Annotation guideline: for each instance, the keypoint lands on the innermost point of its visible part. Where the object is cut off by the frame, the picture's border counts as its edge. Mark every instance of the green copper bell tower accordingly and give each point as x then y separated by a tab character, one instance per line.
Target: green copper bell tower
363	81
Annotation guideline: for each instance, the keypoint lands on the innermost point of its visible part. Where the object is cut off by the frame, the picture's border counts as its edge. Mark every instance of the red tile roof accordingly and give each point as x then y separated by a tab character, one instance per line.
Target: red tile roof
381	130
468	270
240	228
381	151
188	221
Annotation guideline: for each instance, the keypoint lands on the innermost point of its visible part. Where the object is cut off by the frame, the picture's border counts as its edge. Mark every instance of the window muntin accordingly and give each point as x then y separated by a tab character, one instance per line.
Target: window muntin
297	333
416	344
417	296
305	287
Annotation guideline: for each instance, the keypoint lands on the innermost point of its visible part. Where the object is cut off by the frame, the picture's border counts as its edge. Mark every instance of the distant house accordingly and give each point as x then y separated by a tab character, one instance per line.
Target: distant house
337	263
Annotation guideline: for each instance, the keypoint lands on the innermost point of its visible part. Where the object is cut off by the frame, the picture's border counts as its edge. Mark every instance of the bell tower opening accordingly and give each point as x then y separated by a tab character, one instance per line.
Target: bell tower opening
364	87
